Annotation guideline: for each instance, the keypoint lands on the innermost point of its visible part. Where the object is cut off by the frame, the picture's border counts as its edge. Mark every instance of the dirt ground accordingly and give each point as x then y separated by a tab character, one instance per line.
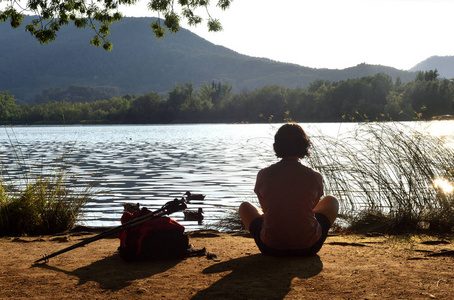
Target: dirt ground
347	267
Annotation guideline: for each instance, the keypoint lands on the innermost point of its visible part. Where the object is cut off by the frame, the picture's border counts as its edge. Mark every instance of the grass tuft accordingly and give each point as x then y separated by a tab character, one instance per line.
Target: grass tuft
39	202
385	174
44	206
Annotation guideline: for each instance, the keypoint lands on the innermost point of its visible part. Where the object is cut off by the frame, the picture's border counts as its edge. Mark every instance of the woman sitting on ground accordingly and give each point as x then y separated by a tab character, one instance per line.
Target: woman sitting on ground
293	219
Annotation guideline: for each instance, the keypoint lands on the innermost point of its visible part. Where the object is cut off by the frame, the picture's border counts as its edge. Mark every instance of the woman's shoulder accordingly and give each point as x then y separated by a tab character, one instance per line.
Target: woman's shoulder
271	169
315	173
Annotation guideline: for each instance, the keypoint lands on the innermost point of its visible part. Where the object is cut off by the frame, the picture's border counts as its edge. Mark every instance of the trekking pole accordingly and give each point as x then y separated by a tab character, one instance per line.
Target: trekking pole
166	209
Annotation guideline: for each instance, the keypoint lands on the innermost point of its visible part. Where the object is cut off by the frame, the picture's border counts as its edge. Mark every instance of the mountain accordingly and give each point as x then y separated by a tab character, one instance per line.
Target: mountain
443	64
140	63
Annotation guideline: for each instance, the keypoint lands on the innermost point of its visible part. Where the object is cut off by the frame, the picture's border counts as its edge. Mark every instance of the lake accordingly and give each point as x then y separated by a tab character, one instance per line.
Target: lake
153	164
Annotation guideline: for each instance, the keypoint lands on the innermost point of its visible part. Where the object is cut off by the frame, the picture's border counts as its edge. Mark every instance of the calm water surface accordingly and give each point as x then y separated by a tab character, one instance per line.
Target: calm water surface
152	164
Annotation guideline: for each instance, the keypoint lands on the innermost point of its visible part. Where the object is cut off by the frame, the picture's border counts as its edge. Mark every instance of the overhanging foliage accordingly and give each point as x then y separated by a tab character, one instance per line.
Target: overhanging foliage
99	15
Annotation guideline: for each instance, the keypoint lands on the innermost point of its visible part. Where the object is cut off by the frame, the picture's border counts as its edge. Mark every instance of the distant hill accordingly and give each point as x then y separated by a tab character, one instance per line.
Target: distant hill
139	63
443	64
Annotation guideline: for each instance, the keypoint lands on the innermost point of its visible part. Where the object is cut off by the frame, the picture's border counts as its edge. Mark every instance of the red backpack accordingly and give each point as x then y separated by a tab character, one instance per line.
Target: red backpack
159	238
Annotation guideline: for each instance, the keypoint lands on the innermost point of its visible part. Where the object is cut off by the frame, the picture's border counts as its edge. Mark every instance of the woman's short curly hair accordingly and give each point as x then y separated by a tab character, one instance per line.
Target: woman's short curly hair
291	140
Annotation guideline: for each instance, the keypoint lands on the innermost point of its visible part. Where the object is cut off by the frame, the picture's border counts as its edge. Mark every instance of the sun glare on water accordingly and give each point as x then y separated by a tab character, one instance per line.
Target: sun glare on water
443	129
449	145
445	185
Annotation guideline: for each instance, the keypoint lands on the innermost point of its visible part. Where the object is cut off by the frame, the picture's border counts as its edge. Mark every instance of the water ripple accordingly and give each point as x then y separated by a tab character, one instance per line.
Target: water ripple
125	165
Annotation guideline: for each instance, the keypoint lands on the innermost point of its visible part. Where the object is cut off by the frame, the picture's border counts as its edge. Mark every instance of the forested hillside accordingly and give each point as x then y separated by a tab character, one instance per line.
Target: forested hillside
139	63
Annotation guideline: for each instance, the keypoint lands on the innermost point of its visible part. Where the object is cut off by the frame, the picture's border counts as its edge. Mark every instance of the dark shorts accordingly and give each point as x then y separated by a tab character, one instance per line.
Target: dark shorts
256	227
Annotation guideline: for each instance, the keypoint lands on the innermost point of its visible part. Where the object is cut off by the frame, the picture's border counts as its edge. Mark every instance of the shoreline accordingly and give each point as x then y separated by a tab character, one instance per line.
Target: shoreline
347	267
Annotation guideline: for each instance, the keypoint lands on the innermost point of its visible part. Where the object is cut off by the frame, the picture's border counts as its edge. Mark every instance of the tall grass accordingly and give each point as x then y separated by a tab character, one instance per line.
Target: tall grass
39	201
385	174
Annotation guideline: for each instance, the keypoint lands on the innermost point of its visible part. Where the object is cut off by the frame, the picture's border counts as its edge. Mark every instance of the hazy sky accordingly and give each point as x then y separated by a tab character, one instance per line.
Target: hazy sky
333	33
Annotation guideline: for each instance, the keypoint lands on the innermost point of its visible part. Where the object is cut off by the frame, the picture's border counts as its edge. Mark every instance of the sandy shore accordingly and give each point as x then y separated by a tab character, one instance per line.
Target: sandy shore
347	267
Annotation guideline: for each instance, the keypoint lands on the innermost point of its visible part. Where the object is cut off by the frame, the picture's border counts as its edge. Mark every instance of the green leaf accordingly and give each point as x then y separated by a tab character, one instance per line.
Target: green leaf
33	4
54	26
80	22
158	5
194	20
172	21
45	36
214	25
96	41
104	29
159	32
117	17
224	4
107	46
30	28
3	16
15	18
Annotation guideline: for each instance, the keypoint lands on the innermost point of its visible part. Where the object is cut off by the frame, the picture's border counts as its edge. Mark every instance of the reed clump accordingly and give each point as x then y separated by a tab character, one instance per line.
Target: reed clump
390	177
38	199
41	206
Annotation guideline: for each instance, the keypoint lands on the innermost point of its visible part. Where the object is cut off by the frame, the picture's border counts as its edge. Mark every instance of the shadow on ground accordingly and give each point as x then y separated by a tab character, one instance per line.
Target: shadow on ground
119	277
259	277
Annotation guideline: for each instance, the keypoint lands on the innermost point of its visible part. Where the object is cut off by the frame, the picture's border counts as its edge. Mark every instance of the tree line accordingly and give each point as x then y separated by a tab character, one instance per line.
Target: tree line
372	97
